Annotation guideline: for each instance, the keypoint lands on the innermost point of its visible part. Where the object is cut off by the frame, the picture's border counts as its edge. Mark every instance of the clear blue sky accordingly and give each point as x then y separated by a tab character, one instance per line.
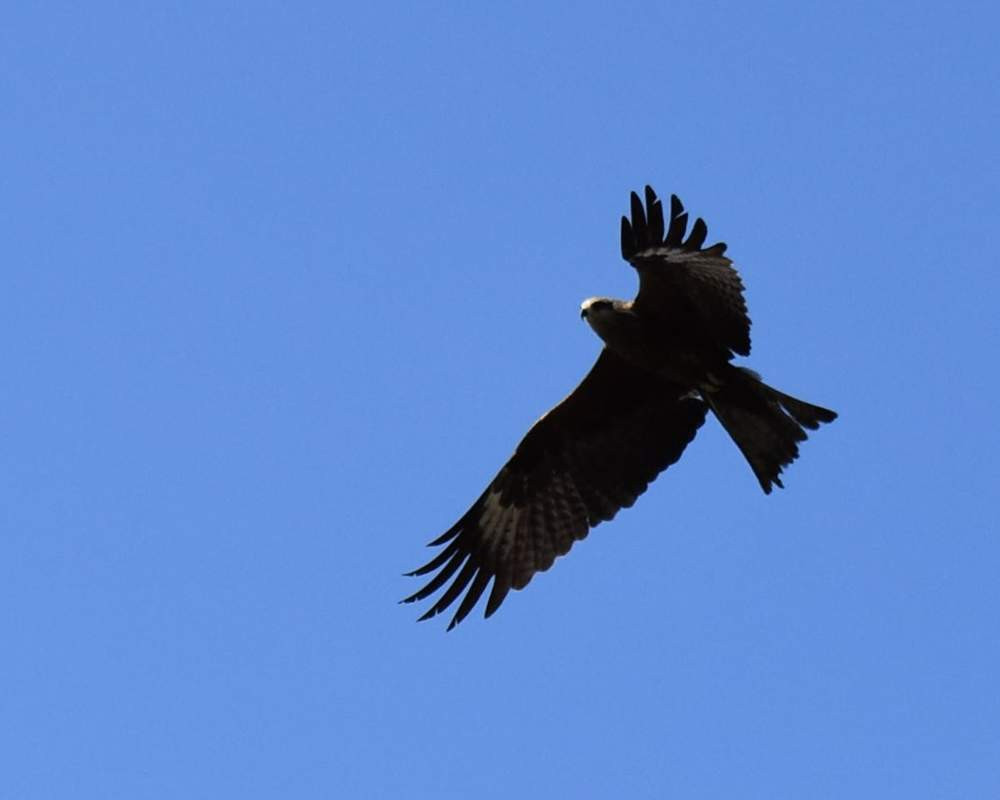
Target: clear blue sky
282	287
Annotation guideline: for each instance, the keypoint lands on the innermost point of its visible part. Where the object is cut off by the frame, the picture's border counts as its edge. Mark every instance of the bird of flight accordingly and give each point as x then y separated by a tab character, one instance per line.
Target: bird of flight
664	365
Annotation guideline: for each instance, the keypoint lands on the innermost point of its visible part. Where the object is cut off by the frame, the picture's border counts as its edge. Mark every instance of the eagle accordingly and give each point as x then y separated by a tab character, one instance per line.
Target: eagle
666	362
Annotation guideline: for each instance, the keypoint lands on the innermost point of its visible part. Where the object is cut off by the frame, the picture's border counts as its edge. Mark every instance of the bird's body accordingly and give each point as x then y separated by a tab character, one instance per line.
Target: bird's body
648	344
666	362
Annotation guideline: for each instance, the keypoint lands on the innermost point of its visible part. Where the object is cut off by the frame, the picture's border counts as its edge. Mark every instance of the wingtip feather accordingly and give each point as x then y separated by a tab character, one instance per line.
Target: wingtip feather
698	233
628	239
638	217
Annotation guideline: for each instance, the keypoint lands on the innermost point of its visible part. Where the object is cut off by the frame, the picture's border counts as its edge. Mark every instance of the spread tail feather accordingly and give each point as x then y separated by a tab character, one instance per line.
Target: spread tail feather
767	425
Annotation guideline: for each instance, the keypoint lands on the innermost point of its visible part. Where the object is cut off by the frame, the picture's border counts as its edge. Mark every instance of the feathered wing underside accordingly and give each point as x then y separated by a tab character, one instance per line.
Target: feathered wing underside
694	287
590	456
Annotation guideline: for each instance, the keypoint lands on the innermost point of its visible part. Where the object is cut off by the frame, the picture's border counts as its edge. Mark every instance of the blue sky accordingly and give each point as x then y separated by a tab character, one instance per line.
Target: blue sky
283	286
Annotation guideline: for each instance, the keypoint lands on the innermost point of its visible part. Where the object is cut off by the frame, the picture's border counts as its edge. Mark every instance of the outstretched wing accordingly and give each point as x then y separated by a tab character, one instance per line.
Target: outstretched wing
588	457
694	289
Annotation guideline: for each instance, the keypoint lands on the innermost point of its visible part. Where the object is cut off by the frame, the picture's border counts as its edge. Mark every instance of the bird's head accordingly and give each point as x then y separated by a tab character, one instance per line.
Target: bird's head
594	306
609	318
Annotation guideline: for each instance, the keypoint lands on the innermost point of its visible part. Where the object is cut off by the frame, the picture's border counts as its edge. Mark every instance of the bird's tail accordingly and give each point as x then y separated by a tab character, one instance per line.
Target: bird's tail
766	424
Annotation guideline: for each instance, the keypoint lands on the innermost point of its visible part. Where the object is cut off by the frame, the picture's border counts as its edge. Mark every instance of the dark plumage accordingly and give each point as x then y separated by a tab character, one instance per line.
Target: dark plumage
665	363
